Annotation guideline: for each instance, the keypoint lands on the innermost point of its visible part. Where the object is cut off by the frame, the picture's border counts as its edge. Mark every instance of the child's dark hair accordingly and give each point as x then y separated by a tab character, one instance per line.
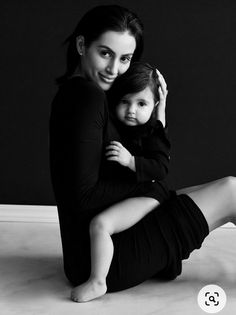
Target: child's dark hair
139	76
97	21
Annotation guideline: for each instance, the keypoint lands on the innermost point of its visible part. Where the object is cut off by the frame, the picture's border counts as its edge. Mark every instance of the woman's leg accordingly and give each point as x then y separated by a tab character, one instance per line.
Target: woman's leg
143	250
217	200
115	219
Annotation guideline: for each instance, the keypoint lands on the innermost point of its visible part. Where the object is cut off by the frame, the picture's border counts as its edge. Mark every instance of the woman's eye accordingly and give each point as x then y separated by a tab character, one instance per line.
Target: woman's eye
125	59
105	53
124	101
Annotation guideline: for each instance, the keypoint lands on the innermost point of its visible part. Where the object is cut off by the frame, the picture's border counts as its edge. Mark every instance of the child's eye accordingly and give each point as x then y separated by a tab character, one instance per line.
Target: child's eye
142	104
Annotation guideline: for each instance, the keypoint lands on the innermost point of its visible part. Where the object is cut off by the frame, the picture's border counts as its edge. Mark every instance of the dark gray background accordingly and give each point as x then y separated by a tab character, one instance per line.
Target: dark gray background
193	44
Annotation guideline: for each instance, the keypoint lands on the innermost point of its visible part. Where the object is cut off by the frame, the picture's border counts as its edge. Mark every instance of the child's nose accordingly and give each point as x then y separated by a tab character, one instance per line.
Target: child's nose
131	109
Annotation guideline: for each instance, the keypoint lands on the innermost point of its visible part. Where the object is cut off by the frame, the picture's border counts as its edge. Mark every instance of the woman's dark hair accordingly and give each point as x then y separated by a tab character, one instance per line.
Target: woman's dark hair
139	76
96	22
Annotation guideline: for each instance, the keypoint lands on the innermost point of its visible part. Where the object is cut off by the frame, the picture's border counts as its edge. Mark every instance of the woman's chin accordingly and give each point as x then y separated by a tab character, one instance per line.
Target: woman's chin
104	86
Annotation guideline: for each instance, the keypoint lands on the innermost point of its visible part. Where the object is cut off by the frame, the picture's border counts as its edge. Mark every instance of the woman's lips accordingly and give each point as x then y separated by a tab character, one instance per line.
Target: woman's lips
106	79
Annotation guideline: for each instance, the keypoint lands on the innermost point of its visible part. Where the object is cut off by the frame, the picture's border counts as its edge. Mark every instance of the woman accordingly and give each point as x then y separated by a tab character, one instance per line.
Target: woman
143	155
105	42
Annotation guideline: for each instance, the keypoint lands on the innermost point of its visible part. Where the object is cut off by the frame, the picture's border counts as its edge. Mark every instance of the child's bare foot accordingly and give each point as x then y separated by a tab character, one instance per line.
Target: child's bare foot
88	291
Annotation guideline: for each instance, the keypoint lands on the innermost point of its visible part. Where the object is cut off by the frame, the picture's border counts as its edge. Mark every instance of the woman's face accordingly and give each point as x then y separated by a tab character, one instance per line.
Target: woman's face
108	57
136	109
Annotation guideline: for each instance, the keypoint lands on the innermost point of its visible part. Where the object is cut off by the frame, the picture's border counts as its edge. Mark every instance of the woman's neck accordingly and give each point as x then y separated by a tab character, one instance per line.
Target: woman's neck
78	72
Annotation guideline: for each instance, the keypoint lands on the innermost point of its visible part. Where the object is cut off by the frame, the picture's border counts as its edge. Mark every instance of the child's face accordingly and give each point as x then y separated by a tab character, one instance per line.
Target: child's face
136	109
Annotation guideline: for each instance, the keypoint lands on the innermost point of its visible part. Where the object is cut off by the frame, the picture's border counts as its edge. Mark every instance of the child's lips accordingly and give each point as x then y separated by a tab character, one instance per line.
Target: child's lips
129	118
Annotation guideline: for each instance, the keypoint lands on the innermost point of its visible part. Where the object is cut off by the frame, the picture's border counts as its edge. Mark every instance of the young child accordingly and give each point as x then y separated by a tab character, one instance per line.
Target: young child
134	97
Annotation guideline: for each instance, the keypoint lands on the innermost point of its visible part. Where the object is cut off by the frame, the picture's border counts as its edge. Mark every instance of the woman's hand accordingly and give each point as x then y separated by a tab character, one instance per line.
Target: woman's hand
161	107
117	152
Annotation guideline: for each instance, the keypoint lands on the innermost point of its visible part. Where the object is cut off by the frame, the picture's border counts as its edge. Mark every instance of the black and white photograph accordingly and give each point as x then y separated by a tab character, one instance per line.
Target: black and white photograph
118	157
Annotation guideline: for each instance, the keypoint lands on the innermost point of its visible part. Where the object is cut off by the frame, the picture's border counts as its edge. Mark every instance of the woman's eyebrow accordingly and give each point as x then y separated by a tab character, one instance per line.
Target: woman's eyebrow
108	48
128	54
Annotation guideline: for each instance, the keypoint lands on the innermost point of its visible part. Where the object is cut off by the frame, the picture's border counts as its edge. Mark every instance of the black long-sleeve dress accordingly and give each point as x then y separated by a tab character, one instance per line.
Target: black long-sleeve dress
80	128
149	144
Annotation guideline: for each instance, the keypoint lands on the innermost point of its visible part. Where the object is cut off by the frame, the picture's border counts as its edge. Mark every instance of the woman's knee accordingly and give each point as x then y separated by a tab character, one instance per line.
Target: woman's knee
229	184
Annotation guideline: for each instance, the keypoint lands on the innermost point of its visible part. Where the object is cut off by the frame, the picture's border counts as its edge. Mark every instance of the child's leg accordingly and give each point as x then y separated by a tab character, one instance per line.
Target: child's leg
116	218
122	215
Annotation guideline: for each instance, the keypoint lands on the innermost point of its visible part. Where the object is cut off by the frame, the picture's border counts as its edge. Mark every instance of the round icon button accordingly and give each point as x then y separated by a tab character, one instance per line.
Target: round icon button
211	298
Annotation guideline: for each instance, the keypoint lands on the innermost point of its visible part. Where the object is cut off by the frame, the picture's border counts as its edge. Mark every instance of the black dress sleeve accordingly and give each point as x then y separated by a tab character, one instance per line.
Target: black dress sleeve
155	159
77	127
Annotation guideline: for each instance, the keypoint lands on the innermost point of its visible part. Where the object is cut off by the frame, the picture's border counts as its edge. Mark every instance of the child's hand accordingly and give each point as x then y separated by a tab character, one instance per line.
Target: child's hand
116	152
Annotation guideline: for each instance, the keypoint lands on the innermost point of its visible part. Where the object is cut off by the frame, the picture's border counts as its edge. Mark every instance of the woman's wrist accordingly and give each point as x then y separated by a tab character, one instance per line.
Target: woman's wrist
161	115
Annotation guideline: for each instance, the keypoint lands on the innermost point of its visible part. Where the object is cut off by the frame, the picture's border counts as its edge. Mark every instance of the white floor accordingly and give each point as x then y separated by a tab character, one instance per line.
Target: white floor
32	279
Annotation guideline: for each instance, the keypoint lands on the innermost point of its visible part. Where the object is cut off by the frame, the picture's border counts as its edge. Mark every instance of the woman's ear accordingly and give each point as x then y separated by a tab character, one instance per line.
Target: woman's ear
80	44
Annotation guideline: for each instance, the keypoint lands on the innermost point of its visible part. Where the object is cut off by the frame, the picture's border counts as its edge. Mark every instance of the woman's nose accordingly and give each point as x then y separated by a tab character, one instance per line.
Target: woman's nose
113	67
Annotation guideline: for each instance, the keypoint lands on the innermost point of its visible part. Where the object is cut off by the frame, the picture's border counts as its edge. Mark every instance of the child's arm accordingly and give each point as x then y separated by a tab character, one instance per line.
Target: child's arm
155	160
118	153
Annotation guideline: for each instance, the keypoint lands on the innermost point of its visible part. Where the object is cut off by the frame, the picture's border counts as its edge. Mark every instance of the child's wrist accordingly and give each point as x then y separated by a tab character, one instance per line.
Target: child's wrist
132	163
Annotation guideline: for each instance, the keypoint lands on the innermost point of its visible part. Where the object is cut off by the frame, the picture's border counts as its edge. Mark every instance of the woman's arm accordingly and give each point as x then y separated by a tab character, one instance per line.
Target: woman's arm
161	114
161	107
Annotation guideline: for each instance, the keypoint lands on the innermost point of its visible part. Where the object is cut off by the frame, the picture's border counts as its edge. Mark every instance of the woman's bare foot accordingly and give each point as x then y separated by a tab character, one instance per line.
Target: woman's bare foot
88	291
